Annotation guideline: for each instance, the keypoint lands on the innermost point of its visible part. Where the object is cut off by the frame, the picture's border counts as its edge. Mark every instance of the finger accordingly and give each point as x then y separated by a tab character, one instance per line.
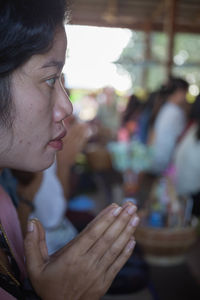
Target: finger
121	260
126	203
97	227
98	250
117	247
34	256
42	244
88	236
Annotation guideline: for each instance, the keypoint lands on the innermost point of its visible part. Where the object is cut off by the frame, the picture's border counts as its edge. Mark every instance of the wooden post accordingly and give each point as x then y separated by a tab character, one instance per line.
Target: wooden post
148	25
147	56
170	30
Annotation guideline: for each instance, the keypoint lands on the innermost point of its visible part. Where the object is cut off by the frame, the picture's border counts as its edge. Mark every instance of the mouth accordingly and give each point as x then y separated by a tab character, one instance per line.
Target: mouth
57	142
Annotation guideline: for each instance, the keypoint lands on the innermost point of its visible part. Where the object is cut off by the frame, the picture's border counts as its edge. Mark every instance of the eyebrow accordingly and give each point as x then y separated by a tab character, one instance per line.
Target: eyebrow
53	63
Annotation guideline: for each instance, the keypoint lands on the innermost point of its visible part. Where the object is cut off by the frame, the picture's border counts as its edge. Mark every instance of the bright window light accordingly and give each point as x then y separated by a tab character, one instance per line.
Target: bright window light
193	90
90	56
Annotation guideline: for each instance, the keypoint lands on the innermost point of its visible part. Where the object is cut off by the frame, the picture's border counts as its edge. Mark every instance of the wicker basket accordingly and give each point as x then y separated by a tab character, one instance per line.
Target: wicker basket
98	157
166	246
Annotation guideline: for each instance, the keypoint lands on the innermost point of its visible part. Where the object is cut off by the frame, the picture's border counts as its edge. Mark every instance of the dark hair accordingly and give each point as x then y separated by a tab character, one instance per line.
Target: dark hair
194	114
132	109
174	84
198	130
27	27
157	100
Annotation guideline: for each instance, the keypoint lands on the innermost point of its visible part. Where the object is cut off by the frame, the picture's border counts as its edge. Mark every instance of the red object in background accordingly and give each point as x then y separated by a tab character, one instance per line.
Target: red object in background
130	183
125	133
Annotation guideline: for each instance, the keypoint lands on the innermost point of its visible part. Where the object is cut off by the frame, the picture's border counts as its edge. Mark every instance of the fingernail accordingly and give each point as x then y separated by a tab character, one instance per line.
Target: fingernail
113	204
116	211
134	221
131	245
30	227
125	204
131	209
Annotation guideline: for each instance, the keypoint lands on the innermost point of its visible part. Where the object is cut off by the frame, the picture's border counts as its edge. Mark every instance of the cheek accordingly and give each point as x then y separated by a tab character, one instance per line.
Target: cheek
37	109
33	125
32	100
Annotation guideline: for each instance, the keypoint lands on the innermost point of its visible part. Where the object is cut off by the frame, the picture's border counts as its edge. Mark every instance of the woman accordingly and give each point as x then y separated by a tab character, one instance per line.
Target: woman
130	119
169	117
33	105
187	159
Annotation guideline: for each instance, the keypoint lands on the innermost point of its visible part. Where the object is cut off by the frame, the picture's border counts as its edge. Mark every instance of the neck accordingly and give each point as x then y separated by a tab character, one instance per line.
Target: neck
174	101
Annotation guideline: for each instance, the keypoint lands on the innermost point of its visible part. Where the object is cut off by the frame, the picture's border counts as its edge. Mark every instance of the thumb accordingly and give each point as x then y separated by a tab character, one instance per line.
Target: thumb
35	247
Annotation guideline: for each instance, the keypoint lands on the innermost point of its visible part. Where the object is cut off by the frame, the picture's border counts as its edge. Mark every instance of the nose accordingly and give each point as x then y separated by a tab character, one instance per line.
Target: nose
63	106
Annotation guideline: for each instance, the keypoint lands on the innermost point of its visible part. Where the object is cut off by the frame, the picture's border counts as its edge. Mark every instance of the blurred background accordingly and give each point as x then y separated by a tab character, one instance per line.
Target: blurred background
117	49
132	73
132	45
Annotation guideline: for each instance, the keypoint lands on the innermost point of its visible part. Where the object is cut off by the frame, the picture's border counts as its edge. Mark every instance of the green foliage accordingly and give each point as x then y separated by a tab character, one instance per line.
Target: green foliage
190	43
159	46
186	58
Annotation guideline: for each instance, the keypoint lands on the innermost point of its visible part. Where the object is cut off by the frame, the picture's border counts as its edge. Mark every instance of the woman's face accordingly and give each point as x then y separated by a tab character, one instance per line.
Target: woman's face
40	106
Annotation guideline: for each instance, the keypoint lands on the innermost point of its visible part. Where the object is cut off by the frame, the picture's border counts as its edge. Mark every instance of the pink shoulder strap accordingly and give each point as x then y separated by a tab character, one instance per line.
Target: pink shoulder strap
10	222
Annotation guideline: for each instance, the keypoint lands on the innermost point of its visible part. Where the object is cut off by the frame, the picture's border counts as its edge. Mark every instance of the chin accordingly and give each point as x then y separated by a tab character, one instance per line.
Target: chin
45	164
39	165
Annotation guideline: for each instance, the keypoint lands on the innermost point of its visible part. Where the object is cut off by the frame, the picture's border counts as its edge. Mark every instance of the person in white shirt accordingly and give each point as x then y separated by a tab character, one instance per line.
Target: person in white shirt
187	159
187	163
169	124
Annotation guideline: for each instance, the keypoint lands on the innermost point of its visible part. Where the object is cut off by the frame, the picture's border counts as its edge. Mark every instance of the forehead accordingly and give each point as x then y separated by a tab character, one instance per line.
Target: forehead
55	57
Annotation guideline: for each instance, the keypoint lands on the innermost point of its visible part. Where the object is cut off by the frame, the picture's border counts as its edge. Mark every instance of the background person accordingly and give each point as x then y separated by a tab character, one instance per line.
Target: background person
169	124
107	113
187	159
130	119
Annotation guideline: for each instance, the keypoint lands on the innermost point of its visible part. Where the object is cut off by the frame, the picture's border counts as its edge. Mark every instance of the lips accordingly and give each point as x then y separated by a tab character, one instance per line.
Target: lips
57	143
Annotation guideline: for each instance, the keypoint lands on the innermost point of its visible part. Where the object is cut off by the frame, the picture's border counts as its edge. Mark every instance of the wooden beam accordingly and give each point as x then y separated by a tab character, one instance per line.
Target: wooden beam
158	11
147	56
80	19
111	11
197	18
171	10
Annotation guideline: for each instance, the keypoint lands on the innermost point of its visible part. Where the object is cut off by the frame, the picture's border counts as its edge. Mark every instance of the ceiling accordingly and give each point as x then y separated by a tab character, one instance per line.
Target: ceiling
137	14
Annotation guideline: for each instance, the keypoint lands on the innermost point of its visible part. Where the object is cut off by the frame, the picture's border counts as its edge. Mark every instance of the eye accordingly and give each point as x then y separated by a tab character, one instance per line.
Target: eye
51	81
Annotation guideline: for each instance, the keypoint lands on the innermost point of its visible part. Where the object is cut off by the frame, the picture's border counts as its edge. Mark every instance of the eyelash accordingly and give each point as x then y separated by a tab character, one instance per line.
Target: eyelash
51	85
